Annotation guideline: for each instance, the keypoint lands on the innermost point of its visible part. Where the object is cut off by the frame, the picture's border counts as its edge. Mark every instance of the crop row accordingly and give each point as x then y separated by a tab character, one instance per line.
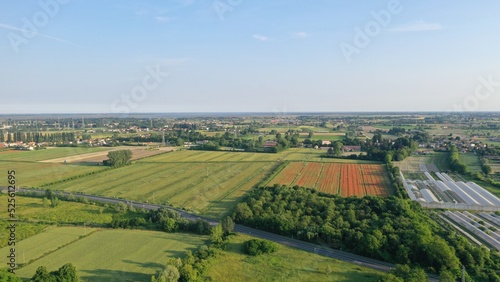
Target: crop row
335	178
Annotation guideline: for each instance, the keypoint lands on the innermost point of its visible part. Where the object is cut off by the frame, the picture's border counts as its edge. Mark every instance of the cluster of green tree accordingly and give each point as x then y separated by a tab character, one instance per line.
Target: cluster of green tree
51	195
379	149
391	229
335	149
36	137
6	276
405	273
384	149
397	131
190	268
194	265
160	219
485	166
209	146
313	143
171	221
118	158
66	273
255	247
454	161
395	180
289	139
487	151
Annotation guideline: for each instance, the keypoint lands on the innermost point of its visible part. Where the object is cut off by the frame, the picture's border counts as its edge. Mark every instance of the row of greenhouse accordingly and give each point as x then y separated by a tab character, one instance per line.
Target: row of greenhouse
450	194
484	226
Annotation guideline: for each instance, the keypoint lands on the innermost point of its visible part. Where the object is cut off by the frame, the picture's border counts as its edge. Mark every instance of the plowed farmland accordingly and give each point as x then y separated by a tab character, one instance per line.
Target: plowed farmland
334	178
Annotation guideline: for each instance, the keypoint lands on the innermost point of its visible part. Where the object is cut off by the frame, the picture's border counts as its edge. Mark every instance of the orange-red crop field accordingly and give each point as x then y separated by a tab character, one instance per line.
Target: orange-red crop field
335	178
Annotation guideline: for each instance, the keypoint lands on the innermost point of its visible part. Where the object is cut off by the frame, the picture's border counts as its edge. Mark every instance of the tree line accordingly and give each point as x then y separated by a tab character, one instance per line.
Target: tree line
37	137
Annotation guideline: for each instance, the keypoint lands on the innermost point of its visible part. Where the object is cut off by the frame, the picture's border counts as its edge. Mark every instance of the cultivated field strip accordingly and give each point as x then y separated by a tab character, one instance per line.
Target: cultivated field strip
46	154
35	174
343	179
36	247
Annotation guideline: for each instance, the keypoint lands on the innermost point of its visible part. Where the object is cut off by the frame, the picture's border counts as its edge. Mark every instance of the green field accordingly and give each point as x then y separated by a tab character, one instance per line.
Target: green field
116	255
412	163
495	166
471	161
48	241
66	212
415	176
36	174
287	264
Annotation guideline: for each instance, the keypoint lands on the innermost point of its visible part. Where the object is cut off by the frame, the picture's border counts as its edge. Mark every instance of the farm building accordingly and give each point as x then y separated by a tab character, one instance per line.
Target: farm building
351	149
268	144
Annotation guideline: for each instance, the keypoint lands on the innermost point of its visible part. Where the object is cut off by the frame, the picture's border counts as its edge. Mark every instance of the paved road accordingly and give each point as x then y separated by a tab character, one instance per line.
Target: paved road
308	247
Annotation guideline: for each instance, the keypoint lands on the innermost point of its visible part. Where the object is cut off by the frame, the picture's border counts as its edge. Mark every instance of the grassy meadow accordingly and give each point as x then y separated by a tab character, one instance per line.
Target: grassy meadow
115	255
32	209
286	264
46	242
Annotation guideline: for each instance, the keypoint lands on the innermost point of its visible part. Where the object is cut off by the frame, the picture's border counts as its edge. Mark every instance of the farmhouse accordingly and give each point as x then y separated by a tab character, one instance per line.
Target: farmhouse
327	143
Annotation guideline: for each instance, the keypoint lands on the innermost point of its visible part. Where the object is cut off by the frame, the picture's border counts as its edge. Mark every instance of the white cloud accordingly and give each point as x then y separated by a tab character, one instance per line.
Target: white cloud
161	19
300	35
416	26
260	37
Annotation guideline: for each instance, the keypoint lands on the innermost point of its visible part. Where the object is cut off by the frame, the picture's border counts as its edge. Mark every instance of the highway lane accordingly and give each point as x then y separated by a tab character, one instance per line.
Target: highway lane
305	246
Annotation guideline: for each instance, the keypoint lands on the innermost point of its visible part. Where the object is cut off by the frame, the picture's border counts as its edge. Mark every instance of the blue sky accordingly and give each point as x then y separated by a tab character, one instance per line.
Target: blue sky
248	56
